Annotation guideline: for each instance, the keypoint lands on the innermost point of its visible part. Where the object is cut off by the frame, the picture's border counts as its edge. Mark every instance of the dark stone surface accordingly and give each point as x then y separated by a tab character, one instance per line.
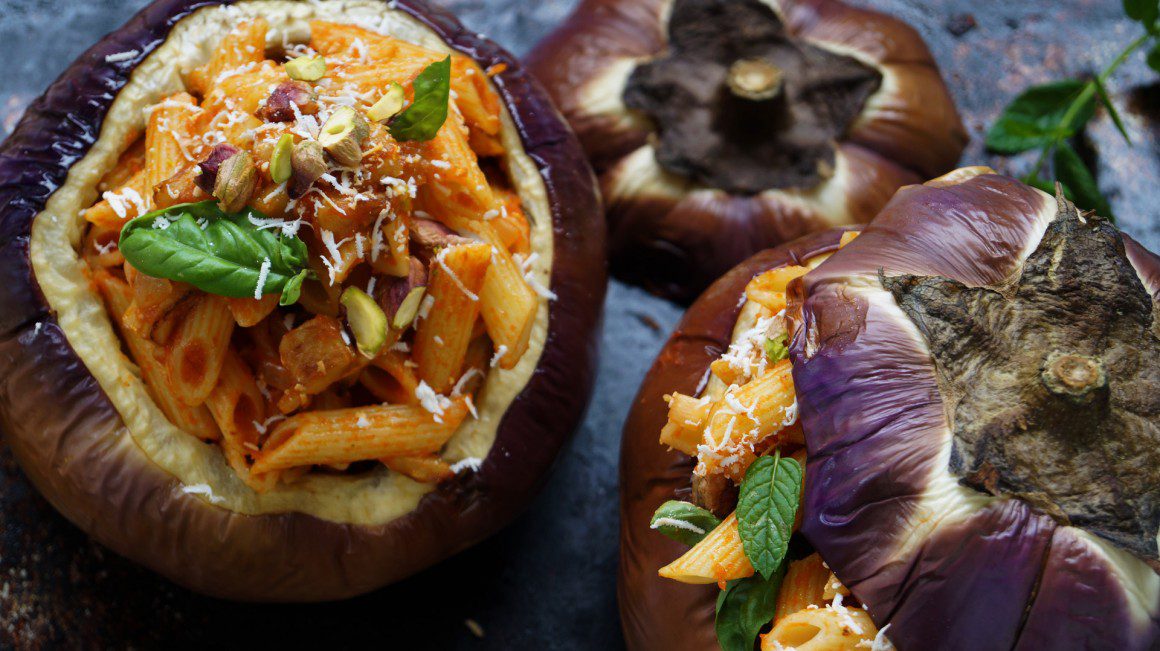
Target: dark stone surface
548	582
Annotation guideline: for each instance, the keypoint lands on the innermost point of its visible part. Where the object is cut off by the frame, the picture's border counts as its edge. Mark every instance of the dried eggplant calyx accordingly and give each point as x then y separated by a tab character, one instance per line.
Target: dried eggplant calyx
741	105
1051	381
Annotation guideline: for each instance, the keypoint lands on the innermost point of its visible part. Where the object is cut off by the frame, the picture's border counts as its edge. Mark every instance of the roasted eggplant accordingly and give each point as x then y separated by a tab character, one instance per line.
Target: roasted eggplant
89	432
975	380
722	127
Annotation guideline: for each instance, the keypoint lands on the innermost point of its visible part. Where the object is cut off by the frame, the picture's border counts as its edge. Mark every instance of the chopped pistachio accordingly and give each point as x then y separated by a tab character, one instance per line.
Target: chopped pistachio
409	308
366	319
235	182
342	136
280	166
306	164
388	105
306	68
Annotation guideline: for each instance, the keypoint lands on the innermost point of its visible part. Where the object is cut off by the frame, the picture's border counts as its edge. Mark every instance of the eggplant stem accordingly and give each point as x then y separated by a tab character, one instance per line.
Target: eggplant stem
756	80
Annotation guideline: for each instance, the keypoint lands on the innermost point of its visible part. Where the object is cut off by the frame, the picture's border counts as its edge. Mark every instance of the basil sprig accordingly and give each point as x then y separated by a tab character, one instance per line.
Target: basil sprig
217	252
766	509
427	113
683	522
744	607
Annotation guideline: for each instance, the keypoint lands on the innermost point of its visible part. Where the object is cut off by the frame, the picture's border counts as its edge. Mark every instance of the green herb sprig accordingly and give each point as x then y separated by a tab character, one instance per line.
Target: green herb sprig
219	253
1049	117
428	111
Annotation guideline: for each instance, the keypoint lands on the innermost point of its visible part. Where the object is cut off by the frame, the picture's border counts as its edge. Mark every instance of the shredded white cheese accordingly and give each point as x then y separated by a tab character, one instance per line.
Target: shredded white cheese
679	524
499	354
263	276
431	401
469	463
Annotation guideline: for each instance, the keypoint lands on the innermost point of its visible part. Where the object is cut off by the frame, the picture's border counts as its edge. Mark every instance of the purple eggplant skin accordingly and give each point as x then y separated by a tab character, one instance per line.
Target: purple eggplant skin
1000	576
72	444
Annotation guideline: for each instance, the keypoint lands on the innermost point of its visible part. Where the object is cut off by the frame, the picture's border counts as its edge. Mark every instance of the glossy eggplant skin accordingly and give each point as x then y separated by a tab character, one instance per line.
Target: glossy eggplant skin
993	572
658	613
675	236
73	445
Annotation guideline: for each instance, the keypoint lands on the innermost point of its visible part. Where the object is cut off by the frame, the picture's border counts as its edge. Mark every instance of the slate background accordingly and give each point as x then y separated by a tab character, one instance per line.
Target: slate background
548	582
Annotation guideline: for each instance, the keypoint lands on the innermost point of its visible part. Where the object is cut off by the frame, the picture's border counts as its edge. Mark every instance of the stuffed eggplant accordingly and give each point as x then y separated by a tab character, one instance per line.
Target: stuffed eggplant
722	127
940	436
299	298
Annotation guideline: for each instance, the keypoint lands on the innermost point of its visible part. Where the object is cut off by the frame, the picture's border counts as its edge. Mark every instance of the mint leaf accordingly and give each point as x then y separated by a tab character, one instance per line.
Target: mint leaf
775	349
428	111
1154	57
684	522
766	509
744	607
1040	116
216	252
1073	173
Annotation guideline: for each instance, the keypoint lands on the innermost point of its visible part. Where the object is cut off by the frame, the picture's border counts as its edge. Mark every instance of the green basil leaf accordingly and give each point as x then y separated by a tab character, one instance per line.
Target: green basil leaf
216	252
744	607
1144	11
1106	100
766	509
1039	116
775	349
1073	173
684	522
1154	57
428	111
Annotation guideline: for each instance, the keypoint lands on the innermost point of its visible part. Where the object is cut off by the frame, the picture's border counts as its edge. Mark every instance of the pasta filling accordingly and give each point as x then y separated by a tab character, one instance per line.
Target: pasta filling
322	249
750	453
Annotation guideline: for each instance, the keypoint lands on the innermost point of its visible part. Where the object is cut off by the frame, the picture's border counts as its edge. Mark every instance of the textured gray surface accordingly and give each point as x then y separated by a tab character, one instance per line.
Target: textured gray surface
549	580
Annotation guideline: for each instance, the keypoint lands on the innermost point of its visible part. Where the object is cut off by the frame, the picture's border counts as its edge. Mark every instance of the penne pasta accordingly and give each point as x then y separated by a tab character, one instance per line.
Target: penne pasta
244	45
822	629
507	303
197	350
804	585
149	357
427	469
118	206
249	312
743	418
687	417
455	186
441	338
718	558
349	435
168	137
239	409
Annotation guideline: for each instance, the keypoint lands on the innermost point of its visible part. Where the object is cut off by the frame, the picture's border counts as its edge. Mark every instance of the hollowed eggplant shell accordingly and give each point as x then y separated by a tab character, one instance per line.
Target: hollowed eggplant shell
676	237
659	613
987	574
73	445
